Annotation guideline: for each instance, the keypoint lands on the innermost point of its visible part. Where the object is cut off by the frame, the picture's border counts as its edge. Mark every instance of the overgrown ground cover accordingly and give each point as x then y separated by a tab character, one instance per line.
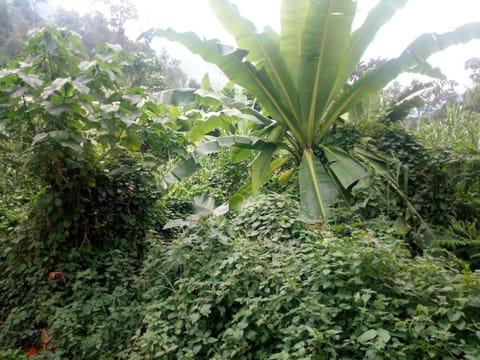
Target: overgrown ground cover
100	260
254	283
265	286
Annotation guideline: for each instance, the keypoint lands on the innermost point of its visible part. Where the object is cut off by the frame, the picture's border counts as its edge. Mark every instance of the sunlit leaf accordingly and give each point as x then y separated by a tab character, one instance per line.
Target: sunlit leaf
367	336
317	191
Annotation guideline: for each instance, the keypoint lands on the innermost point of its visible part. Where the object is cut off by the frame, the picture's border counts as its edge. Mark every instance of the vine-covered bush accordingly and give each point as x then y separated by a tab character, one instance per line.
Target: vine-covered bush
88	305
85	147
221	291
85	294
424	172
218	178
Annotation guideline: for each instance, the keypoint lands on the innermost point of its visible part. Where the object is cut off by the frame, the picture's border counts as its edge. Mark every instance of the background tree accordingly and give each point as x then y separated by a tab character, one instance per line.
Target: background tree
472	95
83	145
120	12
95	28
18	17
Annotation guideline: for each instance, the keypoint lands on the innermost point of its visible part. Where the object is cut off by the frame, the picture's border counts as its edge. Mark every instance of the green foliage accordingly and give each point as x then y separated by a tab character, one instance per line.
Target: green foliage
458	129
269	217
82	148
302	76
79	132
230	291
218	179
441	184
89	273
87	300
11	354
422	173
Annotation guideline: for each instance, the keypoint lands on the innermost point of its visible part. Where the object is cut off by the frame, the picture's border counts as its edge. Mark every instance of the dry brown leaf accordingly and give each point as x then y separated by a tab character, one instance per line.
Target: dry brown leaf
44	339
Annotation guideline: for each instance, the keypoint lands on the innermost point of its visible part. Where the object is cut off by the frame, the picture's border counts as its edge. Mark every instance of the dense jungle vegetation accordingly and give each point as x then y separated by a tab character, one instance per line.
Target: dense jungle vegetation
310	209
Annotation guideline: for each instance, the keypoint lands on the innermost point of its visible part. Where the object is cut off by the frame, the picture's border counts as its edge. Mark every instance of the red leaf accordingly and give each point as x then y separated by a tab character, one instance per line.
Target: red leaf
32	351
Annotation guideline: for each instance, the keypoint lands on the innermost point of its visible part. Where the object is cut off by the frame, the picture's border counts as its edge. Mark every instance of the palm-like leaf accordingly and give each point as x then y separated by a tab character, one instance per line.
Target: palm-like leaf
317	189
301	77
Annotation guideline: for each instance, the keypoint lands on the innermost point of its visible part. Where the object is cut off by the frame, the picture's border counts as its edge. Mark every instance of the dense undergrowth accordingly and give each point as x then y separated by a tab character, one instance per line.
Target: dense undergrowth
256	283
232	289
98	261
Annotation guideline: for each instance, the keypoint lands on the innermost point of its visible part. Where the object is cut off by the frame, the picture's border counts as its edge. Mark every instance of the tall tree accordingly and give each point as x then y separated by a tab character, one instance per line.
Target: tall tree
144	68
18	17
302	76
472	95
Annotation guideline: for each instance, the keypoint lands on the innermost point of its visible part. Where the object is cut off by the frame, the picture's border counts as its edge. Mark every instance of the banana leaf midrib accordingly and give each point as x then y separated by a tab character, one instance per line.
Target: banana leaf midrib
316	85
227	14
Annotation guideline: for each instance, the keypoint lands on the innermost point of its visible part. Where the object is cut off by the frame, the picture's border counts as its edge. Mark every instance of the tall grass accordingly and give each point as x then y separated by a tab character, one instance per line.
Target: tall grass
459	129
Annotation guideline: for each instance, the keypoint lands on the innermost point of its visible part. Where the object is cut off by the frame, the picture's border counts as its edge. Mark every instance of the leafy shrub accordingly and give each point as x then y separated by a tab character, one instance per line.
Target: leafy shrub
71	256
464	168
218	178
422	174
269	216
223	291
74	285
88	302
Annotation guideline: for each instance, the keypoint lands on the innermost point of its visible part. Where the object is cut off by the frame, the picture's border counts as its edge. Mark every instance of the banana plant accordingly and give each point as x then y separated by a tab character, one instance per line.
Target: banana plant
302	78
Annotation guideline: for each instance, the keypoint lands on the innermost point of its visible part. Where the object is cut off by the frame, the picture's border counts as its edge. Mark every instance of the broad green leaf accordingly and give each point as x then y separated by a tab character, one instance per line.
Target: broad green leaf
415	54
225	121
246	190
60	135
132	141
56	85
19	92
80	87
4	73
367	336
190	164
238	71
286	175
213	99
107	108
260	167
221	210
325	39
275	165
39	138
263	49
71	145
203	204
292	20
241	195
363	36
238	155
317	191
383	335
174	97
400	227
31	79
455	316
346	168
210	98
177	223
182	170
85	65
